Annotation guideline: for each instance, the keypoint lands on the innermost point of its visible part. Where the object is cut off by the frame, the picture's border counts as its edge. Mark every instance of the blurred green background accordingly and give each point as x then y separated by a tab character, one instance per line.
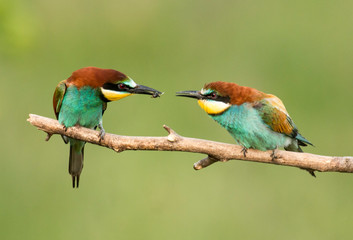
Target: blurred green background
301	51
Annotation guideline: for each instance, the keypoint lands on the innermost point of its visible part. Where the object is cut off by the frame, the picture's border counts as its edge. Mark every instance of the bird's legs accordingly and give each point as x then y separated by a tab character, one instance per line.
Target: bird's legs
273	154
102	131
244	151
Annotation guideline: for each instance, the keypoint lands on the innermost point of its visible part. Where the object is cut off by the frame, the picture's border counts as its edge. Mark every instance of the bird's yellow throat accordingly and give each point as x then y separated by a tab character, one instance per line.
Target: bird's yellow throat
213	107
114	95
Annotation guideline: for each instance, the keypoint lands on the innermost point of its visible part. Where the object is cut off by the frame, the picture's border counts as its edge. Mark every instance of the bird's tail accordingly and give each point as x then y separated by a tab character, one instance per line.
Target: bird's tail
76	160
297	148
302	141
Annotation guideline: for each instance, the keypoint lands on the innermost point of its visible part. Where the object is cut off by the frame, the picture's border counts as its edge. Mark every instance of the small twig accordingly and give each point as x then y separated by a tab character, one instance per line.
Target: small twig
173	136
48	136
205	162
215	151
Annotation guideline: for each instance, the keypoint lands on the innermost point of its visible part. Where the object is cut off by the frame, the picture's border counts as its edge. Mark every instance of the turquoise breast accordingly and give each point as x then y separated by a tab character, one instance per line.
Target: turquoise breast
248	129
81	106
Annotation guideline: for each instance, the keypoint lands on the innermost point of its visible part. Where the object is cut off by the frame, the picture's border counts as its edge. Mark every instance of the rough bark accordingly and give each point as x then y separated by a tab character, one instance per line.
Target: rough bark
215	151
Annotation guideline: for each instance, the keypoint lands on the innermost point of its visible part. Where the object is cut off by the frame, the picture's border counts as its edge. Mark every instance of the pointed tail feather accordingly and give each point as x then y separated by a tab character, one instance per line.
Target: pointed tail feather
75	179
302	141
76	161
297	148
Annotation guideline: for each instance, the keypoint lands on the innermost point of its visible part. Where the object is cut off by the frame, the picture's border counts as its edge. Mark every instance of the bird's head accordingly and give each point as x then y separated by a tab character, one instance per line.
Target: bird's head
114	85
115	90
217	97
211	98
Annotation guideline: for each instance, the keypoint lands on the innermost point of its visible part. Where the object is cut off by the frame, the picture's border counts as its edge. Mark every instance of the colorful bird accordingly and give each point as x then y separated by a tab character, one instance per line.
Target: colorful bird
254	119
82	99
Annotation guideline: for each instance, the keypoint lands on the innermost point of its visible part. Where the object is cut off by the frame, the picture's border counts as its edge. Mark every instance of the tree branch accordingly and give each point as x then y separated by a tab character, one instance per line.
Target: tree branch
215	151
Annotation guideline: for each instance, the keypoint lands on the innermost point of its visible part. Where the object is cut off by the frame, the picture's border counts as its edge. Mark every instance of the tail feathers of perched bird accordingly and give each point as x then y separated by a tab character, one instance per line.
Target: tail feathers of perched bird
76	161
301	142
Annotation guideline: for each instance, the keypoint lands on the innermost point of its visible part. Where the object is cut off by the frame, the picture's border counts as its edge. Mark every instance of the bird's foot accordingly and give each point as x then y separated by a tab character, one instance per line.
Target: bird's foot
244	151
65	128
273	154
101	134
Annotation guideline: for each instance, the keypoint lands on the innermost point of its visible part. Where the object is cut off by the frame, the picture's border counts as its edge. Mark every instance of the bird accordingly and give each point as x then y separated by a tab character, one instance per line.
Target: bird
81	100
253	118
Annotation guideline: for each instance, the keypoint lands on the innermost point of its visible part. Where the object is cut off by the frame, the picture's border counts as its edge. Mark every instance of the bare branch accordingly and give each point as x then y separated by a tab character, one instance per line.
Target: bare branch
215	151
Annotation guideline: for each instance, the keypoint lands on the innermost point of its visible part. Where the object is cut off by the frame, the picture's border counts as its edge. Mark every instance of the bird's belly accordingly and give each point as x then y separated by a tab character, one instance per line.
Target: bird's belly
261	137
82	108
248	129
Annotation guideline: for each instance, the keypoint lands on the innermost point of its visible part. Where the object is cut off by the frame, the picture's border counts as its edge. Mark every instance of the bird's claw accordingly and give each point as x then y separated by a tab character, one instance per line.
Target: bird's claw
101	134
273	154
244	151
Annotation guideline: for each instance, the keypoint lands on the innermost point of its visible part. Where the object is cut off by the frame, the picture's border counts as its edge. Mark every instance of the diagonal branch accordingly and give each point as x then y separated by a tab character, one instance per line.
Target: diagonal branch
215	151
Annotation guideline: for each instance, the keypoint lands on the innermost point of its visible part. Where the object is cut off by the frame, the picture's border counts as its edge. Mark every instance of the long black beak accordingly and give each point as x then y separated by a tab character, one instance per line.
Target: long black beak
140	89
190	94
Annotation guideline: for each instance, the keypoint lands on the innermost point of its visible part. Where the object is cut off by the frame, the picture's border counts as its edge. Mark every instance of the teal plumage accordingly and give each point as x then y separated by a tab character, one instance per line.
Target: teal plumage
248	128
254	119
82	99
82	106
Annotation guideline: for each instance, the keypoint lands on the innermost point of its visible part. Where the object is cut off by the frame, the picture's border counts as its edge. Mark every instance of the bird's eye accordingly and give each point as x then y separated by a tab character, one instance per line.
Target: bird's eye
213	95
121	86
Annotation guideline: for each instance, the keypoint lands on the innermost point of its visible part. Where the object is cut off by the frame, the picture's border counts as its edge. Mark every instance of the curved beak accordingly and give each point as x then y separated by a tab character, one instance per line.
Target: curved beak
140	89
190	94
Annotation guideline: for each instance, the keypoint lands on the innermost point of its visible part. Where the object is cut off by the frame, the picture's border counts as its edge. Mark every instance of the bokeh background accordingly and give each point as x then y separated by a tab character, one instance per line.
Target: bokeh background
301	51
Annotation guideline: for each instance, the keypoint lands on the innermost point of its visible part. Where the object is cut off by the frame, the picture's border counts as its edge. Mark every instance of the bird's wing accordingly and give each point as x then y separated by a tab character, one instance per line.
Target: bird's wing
58	97
104	107
275	115
57	101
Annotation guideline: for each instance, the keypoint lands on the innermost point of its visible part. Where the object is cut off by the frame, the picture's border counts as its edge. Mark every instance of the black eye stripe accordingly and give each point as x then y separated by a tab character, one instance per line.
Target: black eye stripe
217	97
212	95
116	87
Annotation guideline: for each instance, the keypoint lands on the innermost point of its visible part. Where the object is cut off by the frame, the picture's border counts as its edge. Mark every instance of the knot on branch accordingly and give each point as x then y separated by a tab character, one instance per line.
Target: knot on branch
173	136
118	149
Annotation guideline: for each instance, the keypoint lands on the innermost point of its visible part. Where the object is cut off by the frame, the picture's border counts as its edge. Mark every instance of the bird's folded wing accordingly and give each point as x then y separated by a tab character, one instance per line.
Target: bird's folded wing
275	115
58	97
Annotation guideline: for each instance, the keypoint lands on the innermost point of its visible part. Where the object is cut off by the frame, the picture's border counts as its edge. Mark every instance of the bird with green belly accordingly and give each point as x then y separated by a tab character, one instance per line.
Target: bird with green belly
254	119
82	99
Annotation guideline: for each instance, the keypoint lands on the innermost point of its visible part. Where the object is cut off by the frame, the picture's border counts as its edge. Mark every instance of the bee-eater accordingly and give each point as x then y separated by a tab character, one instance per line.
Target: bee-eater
82	99
254	119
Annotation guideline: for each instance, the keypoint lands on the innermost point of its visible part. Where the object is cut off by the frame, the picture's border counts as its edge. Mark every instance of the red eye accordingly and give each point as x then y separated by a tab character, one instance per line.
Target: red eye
213	95
121	86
